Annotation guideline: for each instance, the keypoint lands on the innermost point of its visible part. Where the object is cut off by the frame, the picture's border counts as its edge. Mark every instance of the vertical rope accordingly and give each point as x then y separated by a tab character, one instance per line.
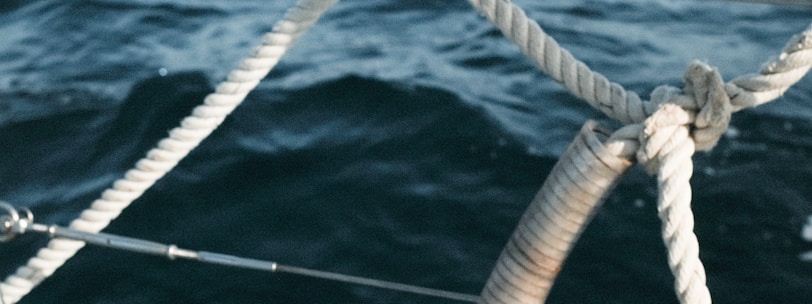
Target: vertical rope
674	210
774	78
669	141
665	148
169	151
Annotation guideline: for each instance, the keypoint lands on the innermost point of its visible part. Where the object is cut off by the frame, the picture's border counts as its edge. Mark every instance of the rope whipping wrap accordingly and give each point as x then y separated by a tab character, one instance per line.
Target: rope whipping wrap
670	127
574	189
169	151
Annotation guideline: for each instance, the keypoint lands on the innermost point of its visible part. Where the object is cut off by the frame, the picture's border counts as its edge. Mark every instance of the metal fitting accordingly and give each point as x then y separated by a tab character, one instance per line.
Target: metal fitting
12	224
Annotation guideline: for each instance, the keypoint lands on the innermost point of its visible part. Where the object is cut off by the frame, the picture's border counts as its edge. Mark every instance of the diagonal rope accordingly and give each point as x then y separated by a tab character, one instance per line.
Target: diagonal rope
558	63
169	151
774	78
676	123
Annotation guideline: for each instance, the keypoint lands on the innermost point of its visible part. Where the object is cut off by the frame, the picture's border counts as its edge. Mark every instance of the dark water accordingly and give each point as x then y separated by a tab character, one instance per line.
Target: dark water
399	140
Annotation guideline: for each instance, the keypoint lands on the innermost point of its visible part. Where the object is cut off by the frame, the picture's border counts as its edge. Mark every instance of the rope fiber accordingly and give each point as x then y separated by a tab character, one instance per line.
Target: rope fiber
169	151
672	125
661	133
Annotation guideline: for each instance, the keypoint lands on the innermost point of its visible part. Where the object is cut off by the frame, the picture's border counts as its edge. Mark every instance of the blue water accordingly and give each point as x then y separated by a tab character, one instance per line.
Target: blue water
399	140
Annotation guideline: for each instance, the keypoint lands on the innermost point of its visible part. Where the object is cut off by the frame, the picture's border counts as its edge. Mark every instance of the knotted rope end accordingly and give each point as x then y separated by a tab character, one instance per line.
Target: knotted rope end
707	88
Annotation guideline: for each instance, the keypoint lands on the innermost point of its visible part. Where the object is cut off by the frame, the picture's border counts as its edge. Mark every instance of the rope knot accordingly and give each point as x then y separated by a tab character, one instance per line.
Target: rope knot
701	110
708	90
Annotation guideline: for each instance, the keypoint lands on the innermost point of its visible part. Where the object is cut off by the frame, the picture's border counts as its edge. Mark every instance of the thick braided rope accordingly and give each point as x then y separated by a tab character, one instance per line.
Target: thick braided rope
666	151
608	97
684	122
169	151
666	138
674	210
775	76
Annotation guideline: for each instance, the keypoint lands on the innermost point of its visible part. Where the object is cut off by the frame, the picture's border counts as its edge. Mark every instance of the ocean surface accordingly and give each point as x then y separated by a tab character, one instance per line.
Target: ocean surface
398	140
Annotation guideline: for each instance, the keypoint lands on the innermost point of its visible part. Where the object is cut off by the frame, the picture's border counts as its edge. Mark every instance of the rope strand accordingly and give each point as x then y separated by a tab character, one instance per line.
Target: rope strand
677	123
558	63
169	151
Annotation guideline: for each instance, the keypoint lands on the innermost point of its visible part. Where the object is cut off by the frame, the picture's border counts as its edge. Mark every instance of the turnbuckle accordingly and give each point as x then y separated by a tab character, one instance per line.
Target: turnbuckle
13	224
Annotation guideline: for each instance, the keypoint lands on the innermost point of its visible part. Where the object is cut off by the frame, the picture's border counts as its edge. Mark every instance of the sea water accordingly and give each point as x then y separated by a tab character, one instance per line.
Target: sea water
398	140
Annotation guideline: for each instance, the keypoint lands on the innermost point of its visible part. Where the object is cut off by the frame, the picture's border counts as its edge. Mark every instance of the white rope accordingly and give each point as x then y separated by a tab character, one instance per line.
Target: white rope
676	123
14	223
775	76
666	135
169	151
608	97
686	121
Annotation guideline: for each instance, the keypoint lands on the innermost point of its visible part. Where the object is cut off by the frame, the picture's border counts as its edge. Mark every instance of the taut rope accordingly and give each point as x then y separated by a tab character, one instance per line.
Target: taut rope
670	128
161	159
547	231
662	134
